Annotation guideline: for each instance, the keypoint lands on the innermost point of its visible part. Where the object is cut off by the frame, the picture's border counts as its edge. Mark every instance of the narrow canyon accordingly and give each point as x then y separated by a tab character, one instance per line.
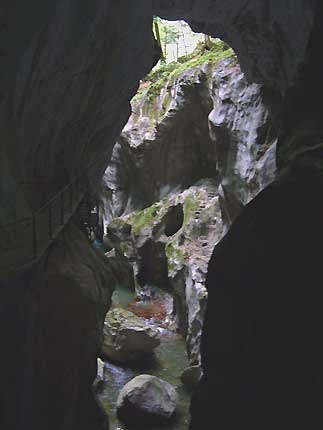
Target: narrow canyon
161	214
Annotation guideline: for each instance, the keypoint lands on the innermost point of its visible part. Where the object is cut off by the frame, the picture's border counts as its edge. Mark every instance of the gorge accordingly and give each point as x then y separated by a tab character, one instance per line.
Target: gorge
236	149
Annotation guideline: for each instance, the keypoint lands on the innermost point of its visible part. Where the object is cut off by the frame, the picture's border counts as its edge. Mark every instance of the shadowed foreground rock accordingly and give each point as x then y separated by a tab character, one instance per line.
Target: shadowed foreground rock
262	349
69	315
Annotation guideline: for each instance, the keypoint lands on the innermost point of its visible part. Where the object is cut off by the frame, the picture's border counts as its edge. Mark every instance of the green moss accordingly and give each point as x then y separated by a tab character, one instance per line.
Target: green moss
174	256
167	73
191	204
144	218
211	57
125	248
117	223
118	318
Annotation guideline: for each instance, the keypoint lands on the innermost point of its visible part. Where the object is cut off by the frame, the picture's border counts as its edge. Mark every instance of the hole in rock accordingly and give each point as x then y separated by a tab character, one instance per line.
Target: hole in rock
153	268
174	220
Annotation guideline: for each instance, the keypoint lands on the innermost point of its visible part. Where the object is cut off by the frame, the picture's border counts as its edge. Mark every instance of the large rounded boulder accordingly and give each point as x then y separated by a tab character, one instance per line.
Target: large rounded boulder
127	338
147	399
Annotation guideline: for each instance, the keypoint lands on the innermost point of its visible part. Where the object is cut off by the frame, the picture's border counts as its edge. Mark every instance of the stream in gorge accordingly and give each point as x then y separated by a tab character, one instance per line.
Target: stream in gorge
169	362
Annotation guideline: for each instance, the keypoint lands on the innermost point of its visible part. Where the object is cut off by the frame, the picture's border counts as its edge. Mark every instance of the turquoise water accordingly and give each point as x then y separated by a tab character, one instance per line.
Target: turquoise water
169	363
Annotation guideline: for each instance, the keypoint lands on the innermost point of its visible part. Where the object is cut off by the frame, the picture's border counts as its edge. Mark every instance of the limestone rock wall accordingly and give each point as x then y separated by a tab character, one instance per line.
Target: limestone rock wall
203	145
163	146
209	122
68	97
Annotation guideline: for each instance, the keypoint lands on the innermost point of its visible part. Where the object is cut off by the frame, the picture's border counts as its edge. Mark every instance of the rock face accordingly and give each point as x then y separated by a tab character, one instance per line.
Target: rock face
206	121
65	87
127	338
63	66
70	311
148	399
243	132
259	32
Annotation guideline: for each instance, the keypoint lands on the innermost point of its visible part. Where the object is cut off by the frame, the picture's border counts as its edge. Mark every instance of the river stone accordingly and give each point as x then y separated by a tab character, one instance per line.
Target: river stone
147	398
127	338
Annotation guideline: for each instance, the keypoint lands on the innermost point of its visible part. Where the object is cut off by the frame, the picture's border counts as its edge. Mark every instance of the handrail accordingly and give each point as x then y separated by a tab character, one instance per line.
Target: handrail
19	221
44	206
30	237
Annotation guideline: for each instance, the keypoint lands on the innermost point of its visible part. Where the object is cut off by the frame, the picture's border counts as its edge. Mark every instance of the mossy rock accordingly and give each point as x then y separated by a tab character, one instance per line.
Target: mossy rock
144	218
166	74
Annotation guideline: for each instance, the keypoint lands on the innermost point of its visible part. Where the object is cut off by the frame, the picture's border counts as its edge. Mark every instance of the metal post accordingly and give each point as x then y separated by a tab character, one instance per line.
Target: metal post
71	196
34	238
62	208
50	221
76	189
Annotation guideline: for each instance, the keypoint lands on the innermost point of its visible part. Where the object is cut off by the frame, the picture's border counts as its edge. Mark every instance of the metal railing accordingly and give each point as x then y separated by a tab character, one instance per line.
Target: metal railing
23	242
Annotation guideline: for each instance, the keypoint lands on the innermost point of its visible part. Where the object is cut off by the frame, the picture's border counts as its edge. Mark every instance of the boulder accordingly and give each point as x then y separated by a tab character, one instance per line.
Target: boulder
127	338
148	399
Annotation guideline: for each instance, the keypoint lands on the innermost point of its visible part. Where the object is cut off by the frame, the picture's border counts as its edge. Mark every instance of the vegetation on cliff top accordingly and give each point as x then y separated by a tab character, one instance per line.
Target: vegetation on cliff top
156	80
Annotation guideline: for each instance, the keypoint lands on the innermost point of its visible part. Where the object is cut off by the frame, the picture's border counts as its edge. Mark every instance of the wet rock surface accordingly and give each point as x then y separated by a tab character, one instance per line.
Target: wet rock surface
148	399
